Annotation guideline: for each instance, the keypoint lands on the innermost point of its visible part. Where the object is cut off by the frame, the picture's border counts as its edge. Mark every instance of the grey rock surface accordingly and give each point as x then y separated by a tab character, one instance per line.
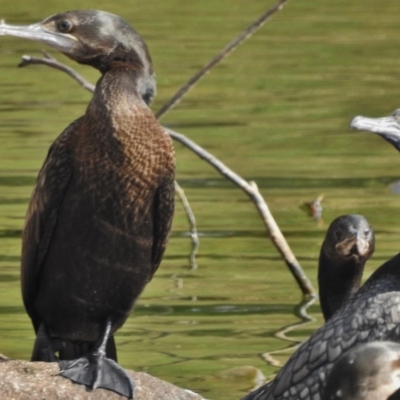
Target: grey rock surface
23	380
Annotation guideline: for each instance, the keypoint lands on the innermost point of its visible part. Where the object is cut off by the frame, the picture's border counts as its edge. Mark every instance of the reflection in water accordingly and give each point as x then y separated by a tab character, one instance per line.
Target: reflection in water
262	182
10	233
395	187
301	312
295	182
19	180
207	309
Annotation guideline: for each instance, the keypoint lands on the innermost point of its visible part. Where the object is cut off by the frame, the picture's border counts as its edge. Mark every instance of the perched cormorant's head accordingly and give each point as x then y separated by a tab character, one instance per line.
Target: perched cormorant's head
349	236
387	127
96	38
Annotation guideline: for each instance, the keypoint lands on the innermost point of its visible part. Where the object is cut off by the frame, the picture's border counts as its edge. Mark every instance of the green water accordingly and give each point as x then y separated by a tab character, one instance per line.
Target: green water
277	112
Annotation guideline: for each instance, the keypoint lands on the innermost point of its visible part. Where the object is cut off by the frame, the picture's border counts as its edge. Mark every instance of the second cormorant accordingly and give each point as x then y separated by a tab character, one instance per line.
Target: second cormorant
348	244
371	314
101	211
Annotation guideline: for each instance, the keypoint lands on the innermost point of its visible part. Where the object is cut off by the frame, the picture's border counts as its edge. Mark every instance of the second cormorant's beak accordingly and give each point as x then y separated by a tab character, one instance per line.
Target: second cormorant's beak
387	127
353	244
62	42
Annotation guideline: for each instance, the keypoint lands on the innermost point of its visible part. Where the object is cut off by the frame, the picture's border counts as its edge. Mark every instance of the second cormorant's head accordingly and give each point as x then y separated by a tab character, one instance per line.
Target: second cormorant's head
349	237
96	38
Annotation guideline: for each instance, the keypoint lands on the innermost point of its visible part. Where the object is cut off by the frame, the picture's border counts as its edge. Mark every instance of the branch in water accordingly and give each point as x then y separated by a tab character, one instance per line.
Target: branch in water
192	222
229	48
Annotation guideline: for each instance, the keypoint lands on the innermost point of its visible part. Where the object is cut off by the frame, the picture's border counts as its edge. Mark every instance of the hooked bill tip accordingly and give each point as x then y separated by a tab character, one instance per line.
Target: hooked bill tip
355	122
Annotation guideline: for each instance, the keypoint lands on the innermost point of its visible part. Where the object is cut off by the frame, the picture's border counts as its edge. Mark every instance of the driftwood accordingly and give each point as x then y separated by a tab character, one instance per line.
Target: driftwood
250	188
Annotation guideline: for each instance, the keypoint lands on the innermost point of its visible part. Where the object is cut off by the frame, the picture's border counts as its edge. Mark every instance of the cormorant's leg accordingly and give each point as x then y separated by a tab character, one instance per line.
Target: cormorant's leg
95	370
43	348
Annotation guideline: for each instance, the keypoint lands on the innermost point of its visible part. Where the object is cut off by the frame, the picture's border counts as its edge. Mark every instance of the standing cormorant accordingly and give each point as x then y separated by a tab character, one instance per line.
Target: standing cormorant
101	211
371	314
348	244
367	372
386	127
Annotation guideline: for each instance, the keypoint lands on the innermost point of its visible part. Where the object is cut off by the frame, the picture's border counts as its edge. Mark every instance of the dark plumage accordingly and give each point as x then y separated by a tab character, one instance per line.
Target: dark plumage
370	315
367	372
348	244
387	127
99	217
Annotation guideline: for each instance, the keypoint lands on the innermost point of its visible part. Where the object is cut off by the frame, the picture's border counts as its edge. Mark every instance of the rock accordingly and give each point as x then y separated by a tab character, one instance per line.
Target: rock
23	380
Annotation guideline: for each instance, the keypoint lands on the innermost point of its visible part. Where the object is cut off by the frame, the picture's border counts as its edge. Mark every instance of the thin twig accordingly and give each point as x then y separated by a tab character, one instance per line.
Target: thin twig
249	188
192	222
248	32
53	63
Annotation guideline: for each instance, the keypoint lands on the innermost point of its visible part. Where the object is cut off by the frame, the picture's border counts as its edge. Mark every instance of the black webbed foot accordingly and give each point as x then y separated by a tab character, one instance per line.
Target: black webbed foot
97	371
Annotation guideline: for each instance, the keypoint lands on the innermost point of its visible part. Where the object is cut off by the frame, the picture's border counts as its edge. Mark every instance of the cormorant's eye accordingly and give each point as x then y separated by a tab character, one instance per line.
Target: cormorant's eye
338	235
64	26
367	231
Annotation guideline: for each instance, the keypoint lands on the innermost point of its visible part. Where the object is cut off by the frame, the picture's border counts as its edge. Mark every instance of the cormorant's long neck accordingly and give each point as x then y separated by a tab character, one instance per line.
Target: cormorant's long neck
117	89
337	282
116	105
113	120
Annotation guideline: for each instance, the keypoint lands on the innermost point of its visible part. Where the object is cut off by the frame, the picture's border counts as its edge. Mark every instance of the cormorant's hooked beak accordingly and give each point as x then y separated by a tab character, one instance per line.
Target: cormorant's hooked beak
62	42
387	127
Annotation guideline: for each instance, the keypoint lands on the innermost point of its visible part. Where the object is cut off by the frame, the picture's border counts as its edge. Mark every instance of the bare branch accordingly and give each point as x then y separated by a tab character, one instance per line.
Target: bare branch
229	48
53	63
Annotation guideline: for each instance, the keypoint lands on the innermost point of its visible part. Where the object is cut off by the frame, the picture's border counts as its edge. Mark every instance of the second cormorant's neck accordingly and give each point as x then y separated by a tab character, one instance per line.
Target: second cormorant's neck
337	282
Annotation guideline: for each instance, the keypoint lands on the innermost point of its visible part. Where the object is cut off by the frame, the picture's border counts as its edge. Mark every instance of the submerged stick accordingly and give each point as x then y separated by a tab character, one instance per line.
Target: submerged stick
250	189
192	222
229	48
